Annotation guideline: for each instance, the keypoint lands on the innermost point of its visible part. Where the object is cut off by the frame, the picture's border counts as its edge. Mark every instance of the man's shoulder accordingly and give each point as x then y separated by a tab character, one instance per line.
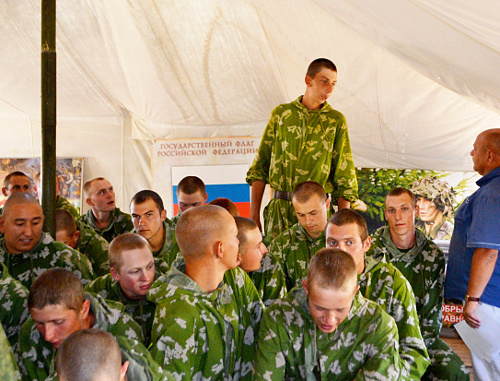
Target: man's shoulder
105	286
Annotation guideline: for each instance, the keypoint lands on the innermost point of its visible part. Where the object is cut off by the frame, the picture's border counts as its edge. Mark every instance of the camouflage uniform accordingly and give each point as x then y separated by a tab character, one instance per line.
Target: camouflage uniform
385	285
170	249
13	304
119	223
8	365
294	249
95	247
46	254
37	357
198	335
424	267
141	310
62	203
290	345
440	231
298	145
269	280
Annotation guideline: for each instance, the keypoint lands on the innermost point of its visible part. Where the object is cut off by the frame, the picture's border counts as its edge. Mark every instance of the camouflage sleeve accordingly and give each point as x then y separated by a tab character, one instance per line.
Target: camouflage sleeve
269	280
270	360
430	312
97	252
81	265
100	286
29	353
260	167
414	356
126	326
277	248
8	365
343	171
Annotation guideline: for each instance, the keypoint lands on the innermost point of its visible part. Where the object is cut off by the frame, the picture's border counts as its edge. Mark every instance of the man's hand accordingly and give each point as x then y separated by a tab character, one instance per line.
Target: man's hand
469	314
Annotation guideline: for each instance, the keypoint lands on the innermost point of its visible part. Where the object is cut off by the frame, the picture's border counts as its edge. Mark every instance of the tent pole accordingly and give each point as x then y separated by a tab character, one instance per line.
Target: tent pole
48	166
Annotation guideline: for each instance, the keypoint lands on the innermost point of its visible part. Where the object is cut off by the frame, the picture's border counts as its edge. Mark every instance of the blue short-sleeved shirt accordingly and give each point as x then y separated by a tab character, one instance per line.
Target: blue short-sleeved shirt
477	225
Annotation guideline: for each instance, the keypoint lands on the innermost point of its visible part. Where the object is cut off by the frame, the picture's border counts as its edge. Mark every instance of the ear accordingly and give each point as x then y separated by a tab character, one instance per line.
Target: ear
367	244
123	371
356	290
163	215
89	202
308	80
306	287
417	211
2	224
327	203
205	198
84	312
114	274
219	249
4	191
385	214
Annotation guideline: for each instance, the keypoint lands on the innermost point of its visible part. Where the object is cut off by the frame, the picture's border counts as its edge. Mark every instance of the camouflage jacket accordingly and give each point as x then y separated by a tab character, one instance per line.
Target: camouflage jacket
62	203
269	280
298	145
37	357
382	283
46	254
141	310
290	346
95	247
119	223
197	335
294	249
424	267
170	249
13	304
8	365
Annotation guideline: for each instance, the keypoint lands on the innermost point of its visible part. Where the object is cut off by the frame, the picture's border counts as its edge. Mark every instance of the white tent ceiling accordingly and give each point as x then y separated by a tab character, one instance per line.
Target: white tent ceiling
418	79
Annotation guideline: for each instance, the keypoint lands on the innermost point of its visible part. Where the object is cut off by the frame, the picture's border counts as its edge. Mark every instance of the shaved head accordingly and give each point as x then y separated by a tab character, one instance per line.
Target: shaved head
20	198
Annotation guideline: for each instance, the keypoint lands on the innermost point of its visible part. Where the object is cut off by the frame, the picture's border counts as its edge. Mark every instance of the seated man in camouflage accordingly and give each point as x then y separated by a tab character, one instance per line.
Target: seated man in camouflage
208	309
191	192
13	304
133	270
104	217
26	251
227	204
325	330
423	263
151	222
381	282
59	307
16	182
91	354
296	246
61	202
261	266
81	237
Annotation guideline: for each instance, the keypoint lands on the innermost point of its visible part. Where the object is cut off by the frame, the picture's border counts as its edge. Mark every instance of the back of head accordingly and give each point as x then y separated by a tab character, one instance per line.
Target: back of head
190	185
145	195
318	64
199	228
401	191
87	187
244	225
493	140
331	268
6	180
65	222
124	242
89	355
304	191
19	198
348	216
227	204
56	286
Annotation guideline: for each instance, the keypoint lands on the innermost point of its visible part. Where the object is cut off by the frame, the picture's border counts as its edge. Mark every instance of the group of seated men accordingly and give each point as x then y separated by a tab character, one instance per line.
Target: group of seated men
200	296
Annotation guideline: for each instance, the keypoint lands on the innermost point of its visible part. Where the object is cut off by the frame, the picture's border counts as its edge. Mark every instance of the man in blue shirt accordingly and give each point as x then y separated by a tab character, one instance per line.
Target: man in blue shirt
473	271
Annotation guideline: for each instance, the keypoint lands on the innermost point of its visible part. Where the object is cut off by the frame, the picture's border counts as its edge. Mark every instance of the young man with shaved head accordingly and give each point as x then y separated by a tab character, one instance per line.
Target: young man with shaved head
58	308
26	251
261	266
296	246
381	282
208	310
325	330
104	217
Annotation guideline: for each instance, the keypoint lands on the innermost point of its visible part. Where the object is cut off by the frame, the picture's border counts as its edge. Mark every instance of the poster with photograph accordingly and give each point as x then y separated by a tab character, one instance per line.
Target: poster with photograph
69	171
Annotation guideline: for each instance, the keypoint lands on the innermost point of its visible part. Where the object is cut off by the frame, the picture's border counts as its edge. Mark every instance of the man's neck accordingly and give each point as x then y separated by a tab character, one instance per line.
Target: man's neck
207	275
403	242
101	218
156	242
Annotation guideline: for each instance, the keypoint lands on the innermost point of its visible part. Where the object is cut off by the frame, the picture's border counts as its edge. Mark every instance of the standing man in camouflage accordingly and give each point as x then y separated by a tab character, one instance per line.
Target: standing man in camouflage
304	140
423	263
26	251
325	330
295	246
381	282
59	307
83	238
104	217
150	221
261	266
208	310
